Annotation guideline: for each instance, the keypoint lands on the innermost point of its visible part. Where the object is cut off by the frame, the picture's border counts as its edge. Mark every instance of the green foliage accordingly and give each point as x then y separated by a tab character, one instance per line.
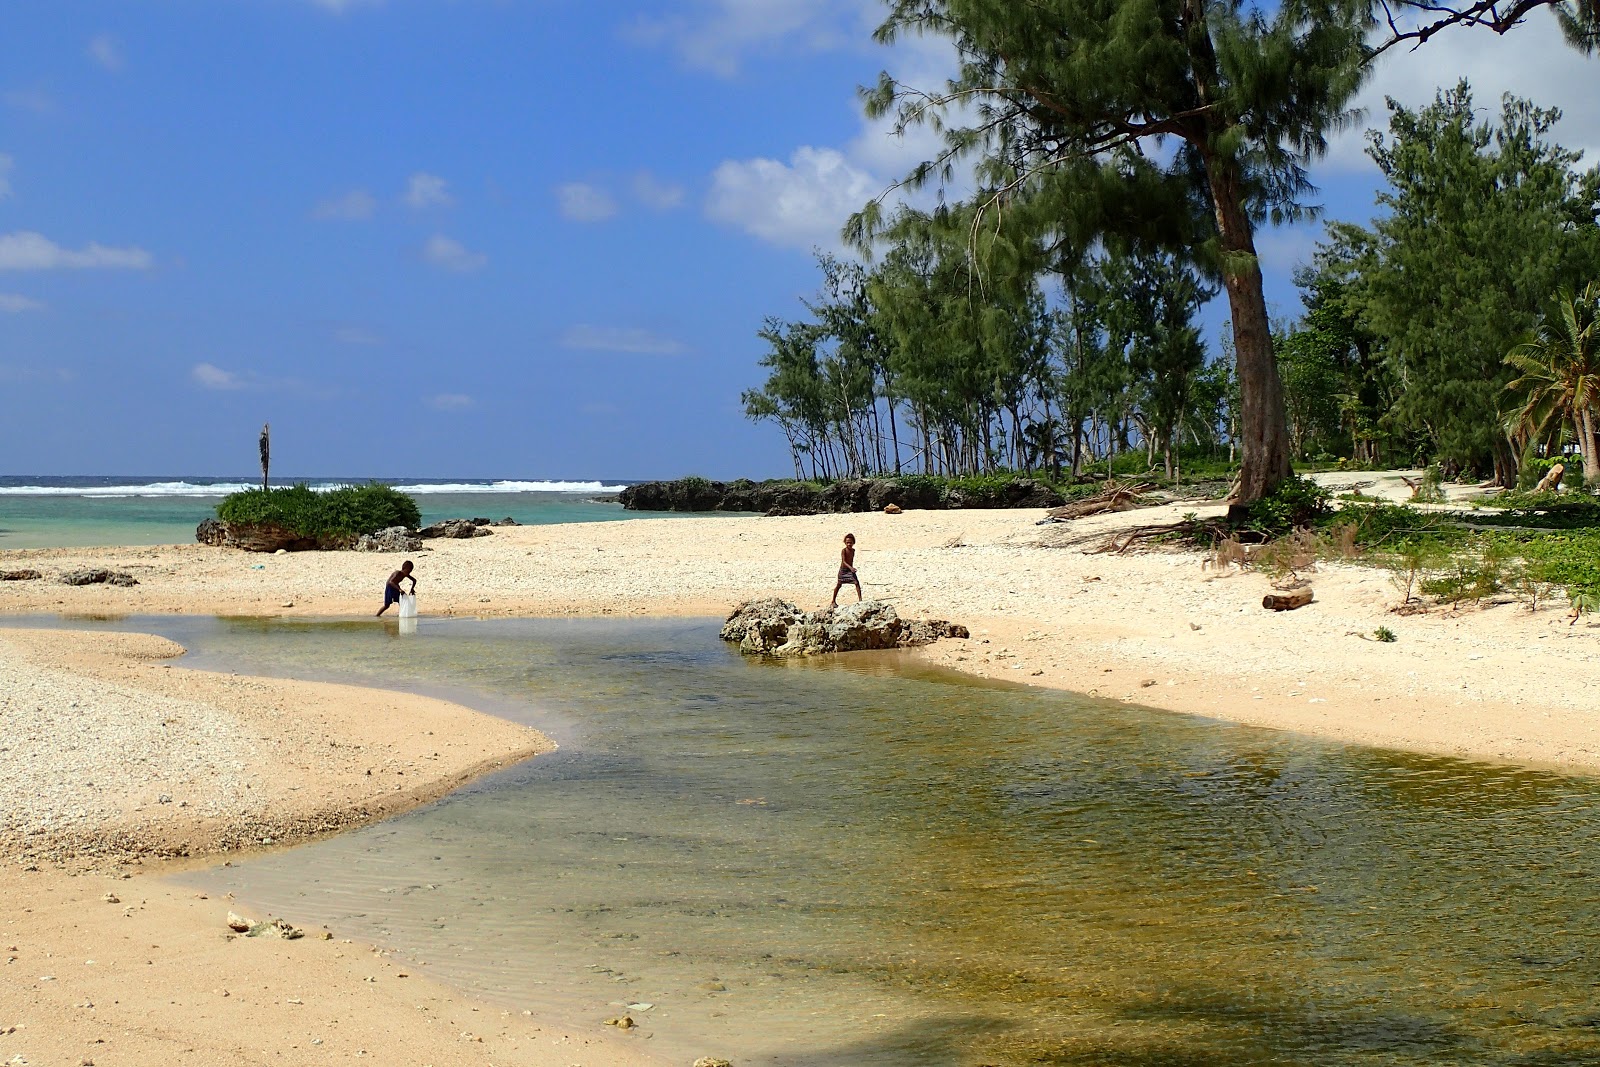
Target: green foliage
350	510
1481	221
1384	634
1294	504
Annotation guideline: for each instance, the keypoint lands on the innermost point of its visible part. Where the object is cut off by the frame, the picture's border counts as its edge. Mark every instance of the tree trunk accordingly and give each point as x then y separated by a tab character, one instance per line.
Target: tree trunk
1505	463
1263	426
1591	455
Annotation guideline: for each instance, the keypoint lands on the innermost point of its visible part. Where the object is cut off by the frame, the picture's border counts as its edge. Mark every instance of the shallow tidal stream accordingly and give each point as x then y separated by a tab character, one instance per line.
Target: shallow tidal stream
860	861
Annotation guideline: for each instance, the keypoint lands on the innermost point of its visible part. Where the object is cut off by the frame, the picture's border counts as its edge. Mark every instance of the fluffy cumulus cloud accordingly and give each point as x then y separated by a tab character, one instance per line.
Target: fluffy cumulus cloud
450	401
209	376
620	339
449	254
719	35
34	251
801	203
582	202
105	51
16	304
427	190
354	206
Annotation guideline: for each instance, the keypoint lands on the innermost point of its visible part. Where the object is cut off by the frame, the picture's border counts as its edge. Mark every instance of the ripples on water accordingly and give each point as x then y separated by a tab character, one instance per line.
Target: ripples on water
858	862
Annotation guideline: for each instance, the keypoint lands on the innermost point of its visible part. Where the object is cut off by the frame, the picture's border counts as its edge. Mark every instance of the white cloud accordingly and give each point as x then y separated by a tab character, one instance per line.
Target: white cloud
427	190
450	401
208	376
33	101
105	50
657	194
33	251
354	206
450	254
620	339
585	203
16	303
5	175
1533	61
717	35
802	203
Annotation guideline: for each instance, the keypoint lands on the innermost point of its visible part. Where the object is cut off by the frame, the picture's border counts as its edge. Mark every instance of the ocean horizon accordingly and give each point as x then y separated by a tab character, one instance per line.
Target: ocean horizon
72	511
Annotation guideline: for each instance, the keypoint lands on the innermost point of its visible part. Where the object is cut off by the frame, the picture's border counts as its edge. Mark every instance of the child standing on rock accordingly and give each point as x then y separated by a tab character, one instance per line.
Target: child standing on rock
847	570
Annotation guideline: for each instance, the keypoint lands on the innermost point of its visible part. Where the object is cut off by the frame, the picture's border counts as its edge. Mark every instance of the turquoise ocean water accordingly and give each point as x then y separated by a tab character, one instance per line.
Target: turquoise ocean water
55	512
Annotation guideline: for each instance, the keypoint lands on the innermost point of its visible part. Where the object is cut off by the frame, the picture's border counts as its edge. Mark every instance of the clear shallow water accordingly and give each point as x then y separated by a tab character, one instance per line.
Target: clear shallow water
846	862
75	512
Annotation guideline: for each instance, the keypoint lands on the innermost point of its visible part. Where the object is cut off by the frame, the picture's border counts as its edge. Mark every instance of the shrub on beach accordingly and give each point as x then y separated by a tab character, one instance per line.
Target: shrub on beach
350	510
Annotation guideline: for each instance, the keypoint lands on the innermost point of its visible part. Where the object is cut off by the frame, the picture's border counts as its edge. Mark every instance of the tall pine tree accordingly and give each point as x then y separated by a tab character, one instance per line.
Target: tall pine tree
1090	96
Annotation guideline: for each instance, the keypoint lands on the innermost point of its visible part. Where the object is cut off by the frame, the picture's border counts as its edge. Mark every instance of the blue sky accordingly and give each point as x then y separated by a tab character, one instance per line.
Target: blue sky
477	238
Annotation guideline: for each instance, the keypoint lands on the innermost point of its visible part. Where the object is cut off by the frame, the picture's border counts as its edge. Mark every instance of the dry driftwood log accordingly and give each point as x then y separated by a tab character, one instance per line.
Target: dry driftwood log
1297	598
1116	496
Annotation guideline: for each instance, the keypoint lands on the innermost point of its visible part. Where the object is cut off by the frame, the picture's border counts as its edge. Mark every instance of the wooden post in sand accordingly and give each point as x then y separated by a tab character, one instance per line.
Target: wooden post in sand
1298	598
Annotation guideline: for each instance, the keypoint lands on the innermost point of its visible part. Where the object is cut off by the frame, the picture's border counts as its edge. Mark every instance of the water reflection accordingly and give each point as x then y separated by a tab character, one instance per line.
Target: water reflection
850	862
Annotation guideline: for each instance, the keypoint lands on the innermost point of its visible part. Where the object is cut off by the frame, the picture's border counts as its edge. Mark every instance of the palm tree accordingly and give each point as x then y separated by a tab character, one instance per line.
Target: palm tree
1559	382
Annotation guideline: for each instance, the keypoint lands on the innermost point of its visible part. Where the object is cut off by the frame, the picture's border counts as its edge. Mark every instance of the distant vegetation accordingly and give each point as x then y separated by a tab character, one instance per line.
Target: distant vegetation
350	510
1123	170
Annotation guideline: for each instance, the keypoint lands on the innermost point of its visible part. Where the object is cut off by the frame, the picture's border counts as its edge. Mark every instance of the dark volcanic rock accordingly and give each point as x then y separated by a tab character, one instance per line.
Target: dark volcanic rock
459	528
24	575
769	626
98	576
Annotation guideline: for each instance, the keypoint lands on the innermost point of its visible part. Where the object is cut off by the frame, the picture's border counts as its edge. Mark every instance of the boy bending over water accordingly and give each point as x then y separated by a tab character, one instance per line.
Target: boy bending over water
391	588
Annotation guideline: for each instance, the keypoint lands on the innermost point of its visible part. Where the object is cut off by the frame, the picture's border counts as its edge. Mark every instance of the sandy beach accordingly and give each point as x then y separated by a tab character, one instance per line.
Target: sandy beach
115	755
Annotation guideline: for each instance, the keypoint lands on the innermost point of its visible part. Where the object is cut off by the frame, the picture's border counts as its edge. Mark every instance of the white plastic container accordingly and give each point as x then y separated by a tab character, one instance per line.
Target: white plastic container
408	605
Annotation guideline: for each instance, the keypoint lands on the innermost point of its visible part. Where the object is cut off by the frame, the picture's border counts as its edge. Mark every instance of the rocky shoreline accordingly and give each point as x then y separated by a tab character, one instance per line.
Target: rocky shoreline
771	626
846	496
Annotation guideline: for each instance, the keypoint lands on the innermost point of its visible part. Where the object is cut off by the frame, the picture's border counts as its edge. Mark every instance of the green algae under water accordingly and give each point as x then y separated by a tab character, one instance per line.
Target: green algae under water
858	861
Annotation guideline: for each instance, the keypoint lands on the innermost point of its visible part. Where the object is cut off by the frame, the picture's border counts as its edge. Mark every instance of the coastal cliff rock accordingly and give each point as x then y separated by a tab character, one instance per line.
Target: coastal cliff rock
393	539
768	626
848	495
458	528
263	537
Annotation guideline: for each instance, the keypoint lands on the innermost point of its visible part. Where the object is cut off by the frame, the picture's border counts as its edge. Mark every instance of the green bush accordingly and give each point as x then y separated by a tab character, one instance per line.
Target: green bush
350	510
1297	502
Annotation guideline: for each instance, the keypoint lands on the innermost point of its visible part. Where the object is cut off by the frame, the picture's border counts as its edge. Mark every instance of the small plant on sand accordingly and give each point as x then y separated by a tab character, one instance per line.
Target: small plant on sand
1290	555
1407	564
1430	487
1384	634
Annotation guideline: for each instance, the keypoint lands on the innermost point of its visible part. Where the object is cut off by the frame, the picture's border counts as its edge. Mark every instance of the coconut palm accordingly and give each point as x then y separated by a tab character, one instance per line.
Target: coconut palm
1559	376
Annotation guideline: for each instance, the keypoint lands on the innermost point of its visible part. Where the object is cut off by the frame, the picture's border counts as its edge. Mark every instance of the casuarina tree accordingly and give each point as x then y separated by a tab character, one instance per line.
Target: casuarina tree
1137	111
